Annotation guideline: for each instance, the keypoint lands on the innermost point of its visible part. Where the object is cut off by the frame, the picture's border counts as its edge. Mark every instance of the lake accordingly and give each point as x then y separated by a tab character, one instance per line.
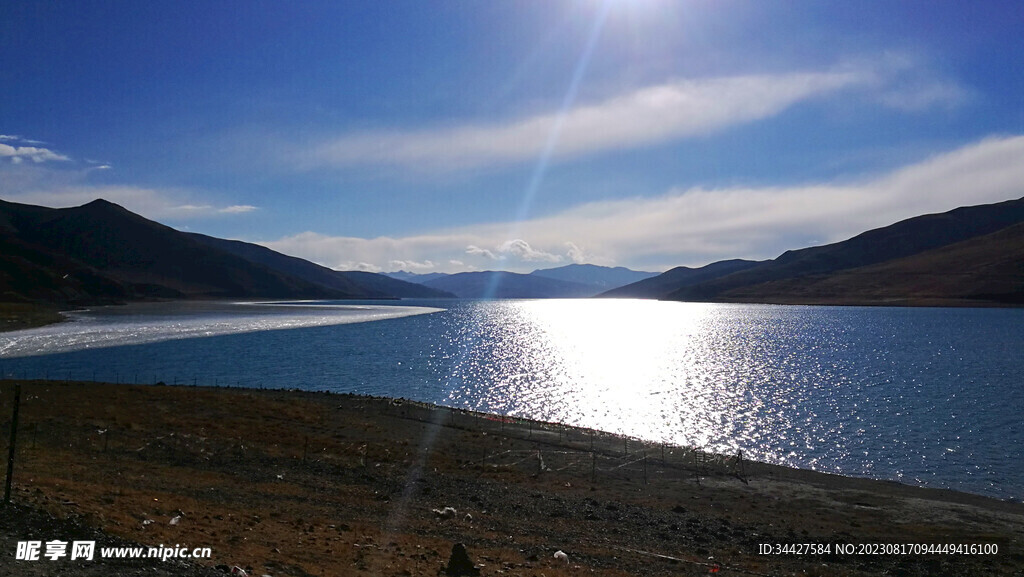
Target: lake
925	396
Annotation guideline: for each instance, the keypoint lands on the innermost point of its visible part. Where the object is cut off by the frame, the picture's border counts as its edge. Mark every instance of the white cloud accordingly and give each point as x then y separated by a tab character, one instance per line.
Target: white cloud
157	204
522	250
42	184
908	83
575	253
925	95
361	266
17	154
696	226
411	265
474	250
644	117
238	209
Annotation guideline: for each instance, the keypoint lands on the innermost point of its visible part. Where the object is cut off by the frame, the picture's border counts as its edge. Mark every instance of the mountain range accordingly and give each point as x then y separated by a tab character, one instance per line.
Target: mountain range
570	281
500	285
968	256
102	253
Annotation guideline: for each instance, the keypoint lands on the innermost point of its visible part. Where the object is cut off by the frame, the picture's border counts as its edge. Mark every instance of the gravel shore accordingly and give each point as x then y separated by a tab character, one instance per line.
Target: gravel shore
289	483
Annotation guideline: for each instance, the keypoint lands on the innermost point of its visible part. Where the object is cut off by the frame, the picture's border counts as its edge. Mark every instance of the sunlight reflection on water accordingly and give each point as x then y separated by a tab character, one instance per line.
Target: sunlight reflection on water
803	386
925	396
635	367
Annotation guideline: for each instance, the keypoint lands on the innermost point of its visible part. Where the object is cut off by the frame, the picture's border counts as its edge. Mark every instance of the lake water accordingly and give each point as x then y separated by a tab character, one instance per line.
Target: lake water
926	396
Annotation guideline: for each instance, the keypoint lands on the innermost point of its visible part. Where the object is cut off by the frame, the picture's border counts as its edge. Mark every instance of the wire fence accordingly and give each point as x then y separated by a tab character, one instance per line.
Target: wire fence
586	454
517	444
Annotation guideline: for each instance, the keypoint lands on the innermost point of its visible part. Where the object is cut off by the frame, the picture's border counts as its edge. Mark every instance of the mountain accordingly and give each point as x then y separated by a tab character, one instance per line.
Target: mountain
31	273
601	278
415	277
983	270
394	287
906	249
102	253
493	284
676	278
371	285
575	280
288	264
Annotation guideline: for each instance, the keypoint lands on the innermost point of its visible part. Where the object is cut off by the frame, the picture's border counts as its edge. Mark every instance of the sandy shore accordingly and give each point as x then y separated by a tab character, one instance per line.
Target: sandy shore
309	484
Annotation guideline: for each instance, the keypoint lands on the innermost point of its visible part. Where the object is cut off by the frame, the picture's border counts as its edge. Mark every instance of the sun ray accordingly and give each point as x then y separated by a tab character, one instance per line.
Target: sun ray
540	168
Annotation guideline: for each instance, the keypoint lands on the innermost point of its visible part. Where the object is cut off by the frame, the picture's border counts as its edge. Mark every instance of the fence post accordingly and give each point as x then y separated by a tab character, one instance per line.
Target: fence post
10	452
696	468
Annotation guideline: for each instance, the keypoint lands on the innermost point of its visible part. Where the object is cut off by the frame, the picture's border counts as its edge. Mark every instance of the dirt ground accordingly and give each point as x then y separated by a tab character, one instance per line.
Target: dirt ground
289	483
17	316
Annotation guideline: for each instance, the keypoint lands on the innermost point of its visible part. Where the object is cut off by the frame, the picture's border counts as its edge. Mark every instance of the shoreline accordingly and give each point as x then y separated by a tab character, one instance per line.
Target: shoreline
296	482
20	316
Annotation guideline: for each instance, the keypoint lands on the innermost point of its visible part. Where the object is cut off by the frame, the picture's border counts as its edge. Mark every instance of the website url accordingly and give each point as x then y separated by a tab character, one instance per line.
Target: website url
86	551
161	552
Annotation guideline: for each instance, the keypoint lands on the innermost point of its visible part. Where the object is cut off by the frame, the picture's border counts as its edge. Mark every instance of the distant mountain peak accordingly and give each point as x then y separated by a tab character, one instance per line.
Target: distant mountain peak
104	204
601	278
101	202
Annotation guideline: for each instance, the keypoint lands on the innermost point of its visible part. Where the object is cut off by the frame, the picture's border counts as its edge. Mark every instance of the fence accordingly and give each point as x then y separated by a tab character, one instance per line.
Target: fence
586	454
517	444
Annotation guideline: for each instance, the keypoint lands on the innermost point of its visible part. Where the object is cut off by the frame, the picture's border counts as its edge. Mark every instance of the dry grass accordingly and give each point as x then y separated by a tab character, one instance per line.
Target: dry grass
293	483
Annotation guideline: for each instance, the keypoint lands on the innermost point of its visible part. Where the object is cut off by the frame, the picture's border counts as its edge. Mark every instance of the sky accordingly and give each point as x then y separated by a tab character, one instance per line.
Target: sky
437	136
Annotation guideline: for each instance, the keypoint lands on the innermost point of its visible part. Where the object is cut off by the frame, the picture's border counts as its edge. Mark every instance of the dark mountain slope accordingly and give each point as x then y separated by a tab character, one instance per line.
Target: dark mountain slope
355	282
33	274
291	265
415	277
905	238
142	257
677	278
984	270
394	287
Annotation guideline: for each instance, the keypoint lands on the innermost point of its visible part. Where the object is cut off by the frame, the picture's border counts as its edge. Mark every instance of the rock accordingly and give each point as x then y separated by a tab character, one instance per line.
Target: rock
446	513
459	563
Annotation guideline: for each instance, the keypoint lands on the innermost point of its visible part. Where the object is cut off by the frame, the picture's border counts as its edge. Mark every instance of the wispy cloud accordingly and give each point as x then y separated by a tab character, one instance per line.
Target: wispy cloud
15	138
18	154
41	183
695	226
908	83
517	250
153	203
644	117
238	209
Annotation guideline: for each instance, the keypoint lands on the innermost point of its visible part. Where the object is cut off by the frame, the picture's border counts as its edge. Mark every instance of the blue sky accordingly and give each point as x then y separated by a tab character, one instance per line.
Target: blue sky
451	136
